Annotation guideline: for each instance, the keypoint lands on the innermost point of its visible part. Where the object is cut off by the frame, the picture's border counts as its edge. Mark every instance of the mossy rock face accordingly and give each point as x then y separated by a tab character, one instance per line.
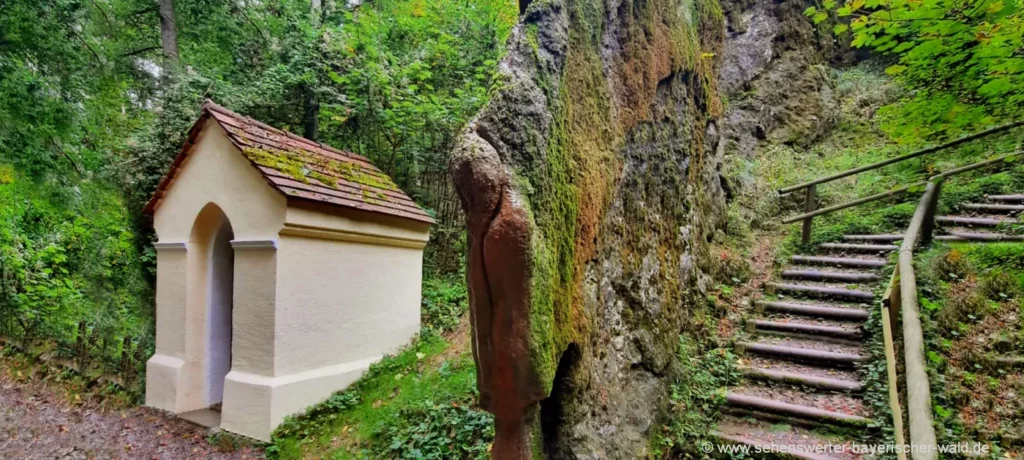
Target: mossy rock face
591	190
775	75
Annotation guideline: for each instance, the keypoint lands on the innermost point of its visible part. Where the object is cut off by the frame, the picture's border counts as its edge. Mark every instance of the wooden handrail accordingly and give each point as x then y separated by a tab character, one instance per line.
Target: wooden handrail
902	293
925	151
890	302
919	396
901	190
850	204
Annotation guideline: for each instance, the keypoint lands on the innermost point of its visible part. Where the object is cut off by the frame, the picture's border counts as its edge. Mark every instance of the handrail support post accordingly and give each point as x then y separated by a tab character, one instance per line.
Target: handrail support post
928	225
809	205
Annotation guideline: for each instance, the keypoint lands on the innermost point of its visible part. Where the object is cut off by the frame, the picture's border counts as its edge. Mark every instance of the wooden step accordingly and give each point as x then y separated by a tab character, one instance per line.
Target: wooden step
807	329
794	378
978	236
873	237
872	248
1006	198
994	208
795	410
817	275
800	354
971	221
766	431
820	291
814	310
765	449
838	261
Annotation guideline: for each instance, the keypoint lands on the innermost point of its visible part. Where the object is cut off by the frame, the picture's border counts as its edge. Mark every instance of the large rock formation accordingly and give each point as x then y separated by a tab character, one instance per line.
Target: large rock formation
775	75
591	189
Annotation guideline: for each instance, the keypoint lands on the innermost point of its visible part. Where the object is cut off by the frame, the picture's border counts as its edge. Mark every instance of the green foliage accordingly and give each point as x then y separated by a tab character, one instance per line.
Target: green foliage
68	257
969	319
964	59
418	403
438	431
695	398
998	286
445	301
996	255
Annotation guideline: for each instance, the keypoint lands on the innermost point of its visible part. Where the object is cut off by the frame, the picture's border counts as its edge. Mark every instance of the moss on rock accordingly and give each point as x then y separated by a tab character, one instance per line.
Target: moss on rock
604	124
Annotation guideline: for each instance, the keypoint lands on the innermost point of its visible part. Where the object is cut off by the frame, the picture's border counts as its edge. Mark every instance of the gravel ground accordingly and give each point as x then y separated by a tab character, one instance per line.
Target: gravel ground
40	418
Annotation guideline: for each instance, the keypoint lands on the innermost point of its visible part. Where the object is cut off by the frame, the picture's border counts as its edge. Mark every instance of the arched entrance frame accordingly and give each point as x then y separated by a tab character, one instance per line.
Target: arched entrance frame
183	376
212	295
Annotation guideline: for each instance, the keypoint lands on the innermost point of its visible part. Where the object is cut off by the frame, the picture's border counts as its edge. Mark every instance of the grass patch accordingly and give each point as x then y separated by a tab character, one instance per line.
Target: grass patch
419	403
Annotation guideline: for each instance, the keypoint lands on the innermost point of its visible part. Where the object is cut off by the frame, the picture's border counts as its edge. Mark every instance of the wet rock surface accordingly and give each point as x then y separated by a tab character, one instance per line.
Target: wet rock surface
591	188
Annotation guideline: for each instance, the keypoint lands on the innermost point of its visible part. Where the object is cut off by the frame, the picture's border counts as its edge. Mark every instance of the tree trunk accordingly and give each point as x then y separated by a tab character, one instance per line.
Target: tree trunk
168	33
523	5
316	11
310	114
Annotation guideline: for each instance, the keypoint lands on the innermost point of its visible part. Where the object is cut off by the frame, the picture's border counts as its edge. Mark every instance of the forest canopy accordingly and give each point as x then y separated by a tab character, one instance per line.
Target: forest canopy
963	60
96	98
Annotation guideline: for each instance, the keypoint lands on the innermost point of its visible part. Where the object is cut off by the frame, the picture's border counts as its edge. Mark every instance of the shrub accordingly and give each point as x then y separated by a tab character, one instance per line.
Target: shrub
71	279
961	305
951	265
445	300
999	286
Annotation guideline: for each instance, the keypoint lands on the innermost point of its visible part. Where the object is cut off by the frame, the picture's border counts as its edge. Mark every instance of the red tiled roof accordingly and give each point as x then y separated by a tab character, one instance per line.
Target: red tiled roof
300	168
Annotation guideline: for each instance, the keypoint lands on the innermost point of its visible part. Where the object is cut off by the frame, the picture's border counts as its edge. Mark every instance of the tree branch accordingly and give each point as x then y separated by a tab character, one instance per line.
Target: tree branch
140	51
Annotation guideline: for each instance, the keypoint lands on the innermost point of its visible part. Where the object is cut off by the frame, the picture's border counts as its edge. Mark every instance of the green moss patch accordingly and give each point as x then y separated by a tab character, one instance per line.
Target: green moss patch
302	165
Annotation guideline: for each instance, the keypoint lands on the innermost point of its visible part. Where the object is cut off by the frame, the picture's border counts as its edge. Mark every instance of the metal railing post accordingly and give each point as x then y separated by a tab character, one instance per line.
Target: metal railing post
809	205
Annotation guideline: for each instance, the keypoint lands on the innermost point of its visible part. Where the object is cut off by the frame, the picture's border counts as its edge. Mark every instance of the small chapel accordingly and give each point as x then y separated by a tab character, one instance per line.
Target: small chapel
285	268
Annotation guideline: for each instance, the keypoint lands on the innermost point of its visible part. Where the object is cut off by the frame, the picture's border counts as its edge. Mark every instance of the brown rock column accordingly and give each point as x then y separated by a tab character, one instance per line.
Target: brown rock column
499	290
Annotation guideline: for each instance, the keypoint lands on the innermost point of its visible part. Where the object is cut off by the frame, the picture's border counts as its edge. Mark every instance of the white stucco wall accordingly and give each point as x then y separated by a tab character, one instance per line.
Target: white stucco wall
320	292
339	301
348	293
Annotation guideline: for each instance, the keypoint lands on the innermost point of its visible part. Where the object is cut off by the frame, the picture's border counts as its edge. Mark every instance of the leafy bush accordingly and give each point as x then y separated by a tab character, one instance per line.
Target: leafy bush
695	397
951	265
445	300
999	285
437	431
67	259
960	306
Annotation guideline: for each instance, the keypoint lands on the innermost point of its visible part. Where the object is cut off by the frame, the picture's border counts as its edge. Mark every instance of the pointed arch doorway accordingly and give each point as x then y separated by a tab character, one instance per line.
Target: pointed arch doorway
215	260
218	314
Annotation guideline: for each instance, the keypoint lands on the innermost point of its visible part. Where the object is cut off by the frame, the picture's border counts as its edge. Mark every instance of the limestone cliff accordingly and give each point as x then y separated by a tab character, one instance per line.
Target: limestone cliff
591	188
775	75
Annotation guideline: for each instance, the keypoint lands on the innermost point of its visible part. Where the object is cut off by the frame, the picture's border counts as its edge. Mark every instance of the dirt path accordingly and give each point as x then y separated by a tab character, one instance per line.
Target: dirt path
40	418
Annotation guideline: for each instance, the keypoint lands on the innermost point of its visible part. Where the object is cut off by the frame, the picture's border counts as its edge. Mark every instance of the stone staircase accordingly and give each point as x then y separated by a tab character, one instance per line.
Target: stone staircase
802	348
983	221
